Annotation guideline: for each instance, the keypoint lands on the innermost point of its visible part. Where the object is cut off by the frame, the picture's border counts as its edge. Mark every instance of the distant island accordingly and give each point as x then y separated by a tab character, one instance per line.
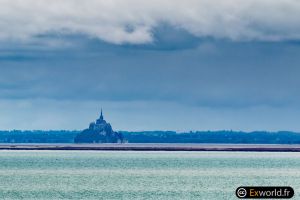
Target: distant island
99	132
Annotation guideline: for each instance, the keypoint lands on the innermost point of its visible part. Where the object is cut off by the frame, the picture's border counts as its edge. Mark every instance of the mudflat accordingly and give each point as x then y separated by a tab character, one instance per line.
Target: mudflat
154	147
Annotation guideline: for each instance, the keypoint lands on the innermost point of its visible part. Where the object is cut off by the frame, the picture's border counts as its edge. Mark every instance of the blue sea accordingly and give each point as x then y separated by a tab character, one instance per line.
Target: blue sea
142	175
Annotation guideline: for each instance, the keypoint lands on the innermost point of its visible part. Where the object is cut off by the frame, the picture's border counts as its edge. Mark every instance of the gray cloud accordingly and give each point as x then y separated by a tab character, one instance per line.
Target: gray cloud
180	79
214	74
133	21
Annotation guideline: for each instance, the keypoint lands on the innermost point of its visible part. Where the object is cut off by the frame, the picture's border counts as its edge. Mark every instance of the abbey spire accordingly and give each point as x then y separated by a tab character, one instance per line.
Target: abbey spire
101	119
101	116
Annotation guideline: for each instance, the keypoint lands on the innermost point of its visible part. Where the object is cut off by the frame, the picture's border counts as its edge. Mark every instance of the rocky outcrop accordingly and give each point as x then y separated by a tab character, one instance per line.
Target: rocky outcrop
99	132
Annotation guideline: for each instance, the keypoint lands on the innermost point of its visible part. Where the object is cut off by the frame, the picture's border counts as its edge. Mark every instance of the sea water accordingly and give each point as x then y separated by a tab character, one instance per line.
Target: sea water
142	175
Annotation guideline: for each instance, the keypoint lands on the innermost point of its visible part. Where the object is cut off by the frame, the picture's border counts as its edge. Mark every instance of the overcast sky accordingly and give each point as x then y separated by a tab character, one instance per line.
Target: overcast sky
151	65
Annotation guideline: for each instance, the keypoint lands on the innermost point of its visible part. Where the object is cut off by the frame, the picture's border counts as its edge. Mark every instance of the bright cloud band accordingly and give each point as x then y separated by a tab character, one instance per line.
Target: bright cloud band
133	21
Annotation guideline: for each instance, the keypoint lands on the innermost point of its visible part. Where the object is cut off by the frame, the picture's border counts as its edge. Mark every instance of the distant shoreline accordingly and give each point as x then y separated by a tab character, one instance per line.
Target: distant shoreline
155	147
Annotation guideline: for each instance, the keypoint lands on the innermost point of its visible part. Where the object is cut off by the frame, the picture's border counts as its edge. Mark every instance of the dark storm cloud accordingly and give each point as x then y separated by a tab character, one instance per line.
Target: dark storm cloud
204	72
178	82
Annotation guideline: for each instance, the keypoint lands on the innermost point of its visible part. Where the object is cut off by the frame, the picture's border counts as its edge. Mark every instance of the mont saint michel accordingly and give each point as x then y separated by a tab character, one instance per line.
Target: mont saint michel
99	132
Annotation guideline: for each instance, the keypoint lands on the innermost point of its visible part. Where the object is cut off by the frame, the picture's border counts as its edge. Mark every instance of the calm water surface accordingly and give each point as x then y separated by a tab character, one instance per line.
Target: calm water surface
141	175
